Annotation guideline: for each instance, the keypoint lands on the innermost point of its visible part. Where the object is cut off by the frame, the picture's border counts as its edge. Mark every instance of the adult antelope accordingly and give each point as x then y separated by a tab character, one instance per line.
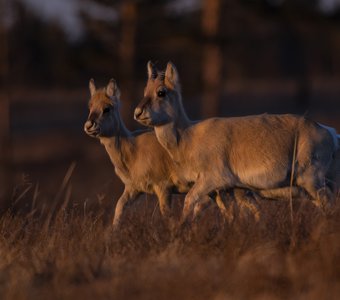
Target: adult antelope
265	153
139	160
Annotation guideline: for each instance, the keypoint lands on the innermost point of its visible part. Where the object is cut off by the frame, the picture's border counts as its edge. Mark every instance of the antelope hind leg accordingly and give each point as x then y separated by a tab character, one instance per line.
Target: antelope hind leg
283	193
314	182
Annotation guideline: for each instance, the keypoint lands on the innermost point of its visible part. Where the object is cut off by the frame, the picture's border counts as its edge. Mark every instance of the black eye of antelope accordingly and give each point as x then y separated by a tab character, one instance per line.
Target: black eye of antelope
106	110
161	93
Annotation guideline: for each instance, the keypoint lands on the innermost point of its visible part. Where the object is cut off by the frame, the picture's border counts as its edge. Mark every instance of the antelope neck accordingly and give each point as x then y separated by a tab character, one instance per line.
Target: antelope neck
119	148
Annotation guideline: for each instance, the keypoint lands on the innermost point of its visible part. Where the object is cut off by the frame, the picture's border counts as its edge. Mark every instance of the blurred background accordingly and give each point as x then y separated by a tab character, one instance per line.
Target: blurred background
235	57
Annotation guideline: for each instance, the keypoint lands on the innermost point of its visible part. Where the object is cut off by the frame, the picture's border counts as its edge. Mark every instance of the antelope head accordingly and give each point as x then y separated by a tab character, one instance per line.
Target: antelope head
104	118
161	103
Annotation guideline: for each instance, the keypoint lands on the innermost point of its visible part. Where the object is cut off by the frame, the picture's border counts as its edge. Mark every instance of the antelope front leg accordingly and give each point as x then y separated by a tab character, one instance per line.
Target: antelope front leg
126	198
164	200
248	200
228	207
197	193
201	206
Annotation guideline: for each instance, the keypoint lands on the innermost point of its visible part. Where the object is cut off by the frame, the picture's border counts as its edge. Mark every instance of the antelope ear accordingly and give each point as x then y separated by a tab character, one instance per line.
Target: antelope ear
92	87
152	72
171	75
111	88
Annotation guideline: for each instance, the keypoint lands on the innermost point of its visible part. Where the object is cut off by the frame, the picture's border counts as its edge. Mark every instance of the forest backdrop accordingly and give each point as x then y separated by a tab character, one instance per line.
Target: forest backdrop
235	57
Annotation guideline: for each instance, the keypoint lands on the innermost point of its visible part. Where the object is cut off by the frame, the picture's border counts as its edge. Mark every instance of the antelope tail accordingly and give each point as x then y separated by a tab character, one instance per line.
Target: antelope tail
334	134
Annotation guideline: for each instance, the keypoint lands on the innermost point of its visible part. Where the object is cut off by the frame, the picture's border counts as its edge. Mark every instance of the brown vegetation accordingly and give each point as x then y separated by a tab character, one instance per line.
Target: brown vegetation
56	242
72	253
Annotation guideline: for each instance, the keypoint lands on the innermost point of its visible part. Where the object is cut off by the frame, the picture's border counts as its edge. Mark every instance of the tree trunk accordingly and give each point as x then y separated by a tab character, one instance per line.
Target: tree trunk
212	58
127	54
5	145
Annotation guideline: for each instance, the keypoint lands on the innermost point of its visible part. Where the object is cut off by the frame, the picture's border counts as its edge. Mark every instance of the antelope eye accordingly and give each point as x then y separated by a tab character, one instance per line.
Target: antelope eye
161	93
106	110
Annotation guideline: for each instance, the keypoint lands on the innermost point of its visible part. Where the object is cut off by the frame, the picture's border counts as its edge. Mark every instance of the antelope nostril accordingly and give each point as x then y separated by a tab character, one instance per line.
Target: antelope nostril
89	124
138	112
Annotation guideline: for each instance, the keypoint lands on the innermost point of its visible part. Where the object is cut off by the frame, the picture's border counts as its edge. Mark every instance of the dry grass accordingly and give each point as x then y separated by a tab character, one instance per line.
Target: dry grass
72	253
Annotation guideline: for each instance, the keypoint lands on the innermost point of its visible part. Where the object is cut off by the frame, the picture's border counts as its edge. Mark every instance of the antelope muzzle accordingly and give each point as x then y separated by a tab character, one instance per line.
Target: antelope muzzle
91	128
142	114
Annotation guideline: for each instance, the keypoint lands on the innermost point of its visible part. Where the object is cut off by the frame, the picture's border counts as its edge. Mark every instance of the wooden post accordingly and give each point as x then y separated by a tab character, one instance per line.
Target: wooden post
212	58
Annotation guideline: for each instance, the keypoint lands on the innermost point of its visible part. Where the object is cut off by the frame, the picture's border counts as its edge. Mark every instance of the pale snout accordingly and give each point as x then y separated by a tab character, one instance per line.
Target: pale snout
91	128
138	113
142	116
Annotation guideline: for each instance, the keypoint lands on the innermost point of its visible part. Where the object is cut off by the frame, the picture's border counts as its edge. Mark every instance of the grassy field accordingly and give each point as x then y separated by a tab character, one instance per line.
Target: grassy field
71	252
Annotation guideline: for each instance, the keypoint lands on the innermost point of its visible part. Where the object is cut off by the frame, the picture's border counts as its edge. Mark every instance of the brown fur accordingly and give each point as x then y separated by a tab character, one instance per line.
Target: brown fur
140	161
254	152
